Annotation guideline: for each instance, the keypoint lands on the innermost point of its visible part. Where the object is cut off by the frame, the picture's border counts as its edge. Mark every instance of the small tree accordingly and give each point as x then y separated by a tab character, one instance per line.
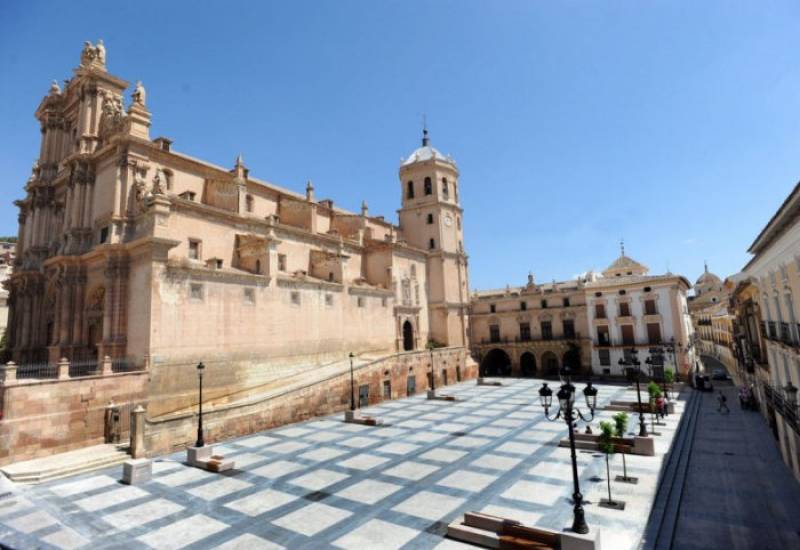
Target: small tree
607	446
669	376
620	427
653	390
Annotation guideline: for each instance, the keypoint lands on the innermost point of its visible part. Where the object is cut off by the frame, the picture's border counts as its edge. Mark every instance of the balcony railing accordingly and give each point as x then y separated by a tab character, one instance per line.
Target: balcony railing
772	331
777	398
519	339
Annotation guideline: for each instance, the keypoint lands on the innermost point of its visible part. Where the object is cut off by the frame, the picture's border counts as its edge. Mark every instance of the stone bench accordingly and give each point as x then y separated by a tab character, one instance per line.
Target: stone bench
432	395
489	531
204	458
355	417
636	445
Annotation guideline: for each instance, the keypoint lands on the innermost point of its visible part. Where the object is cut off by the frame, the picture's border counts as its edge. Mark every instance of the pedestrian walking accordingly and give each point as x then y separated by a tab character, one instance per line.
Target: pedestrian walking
660	406
723	403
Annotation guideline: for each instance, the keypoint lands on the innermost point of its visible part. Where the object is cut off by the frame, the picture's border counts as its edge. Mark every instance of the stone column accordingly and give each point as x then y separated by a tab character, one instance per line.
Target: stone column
63	369
8	374
110	300
137	448
79	310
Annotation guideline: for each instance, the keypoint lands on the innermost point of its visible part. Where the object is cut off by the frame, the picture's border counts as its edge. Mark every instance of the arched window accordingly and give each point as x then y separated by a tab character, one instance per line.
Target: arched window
258	267
410	189
430	219
428	186
248	201
432	244
445	189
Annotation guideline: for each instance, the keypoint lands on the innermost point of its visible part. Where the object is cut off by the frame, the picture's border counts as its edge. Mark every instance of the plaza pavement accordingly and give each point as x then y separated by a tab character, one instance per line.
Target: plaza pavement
324	483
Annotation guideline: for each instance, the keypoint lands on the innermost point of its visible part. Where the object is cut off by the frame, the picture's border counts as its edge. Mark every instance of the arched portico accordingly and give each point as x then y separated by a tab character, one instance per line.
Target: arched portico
496	363
527	364
550	364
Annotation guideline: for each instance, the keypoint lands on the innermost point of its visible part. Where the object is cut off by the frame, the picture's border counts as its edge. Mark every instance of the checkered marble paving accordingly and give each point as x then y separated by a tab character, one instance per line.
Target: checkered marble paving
326	484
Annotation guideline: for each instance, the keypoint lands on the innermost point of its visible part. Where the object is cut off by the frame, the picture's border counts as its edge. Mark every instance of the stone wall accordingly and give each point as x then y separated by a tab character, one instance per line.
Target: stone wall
170	433
43	417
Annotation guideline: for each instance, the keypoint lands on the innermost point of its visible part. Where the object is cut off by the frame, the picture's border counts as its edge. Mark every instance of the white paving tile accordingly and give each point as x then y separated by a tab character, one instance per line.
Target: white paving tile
443	454
390	432
312	519
411	470
244	460
183	532
294	432
369	491
322	453
219	488
317	480
263	501
449	427
29	523
287	447
497	462
323	437
185	475
83	485
426	437
468	442
489	431
540	493
413	424
467	480
257	441
65	538
376	533
517	447
135	516
429	505
398	448
363	461
107	499
359	442
277	469
249	541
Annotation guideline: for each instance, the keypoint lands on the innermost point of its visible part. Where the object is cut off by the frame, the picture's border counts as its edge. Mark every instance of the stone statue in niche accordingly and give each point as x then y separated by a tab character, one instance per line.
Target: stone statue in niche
113	118
159	182
100	52
139	94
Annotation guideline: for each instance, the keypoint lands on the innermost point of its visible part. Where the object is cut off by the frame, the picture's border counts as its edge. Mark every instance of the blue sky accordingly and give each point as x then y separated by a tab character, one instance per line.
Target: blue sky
675	125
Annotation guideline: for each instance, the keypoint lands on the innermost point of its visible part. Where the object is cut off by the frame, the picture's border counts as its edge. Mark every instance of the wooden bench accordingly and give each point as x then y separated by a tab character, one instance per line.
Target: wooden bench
490	531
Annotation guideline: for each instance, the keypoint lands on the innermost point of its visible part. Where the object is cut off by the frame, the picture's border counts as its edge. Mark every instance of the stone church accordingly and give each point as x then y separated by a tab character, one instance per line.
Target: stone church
130	249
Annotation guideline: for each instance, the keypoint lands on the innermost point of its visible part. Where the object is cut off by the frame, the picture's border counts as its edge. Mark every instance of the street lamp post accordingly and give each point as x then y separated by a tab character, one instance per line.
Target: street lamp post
570	414
200	441
352	385
634	361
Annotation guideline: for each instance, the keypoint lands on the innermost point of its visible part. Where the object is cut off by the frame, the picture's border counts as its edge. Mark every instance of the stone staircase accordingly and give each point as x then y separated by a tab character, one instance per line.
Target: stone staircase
66	464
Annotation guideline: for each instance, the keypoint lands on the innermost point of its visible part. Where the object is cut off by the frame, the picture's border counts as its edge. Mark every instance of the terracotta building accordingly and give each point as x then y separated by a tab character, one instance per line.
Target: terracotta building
130	249
589	323
774	271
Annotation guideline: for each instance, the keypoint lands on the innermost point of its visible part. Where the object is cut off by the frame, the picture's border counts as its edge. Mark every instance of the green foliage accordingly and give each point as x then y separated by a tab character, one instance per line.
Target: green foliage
653	390
433	344
620	424
669	376
8	239
606	435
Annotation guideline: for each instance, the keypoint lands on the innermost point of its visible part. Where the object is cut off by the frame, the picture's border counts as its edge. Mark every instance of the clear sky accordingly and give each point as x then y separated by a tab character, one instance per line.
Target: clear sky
672	124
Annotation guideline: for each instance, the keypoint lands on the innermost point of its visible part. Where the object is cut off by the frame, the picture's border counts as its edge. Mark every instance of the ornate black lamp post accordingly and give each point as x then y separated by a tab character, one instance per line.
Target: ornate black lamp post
200	441
633	360
352	385
571	414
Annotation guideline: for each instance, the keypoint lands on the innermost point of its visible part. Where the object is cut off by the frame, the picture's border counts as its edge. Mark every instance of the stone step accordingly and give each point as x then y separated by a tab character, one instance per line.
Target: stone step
66	464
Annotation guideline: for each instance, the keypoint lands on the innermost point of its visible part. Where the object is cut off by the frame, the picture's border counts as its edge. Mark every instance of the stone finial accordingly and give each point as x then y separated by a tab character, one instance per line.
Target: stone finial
93	55
309	191
530	278
100	51
139	95
364	208
239	169
54	88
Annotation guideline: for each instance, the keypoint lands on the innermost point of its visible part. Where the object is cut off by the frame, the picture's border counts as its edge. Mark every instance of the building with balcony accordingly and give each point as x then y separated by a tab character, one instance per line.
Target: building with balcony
629	308
530	330
587	324
773	285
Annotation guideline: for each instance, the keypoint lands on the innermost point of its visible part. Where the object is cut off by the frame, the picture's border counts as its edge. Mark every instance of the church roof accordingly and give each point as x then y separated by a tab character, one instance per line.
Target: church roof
426	152
625	264
708	278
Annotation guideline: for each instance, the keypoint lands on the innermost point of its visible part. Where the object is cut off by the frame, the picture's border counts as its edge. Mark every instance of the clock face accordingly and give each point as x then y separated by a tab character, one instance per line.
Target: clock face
448	221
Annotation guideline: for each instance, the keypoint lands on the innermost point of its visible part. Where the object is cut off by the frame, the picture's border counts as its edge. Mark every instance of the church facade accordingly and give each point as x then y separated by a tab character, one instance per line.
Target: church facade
129	249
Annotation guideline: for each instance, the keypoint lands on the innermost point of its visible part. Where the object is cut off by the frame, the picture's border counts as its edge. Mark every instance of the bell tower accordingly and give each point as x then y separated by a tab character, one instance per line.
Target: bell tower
431	219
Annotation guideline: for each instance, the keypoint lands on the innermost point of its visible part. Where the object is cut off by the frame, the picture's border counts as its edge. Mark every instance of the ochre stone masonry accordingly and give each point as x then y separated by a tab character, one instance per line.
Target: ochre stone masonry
171	432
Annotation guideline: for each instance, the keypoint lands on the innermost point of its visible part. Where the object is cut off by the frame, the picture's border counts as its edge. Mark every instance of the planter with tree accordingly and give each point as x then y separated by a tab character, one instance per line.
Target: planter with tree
620	427
607	446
